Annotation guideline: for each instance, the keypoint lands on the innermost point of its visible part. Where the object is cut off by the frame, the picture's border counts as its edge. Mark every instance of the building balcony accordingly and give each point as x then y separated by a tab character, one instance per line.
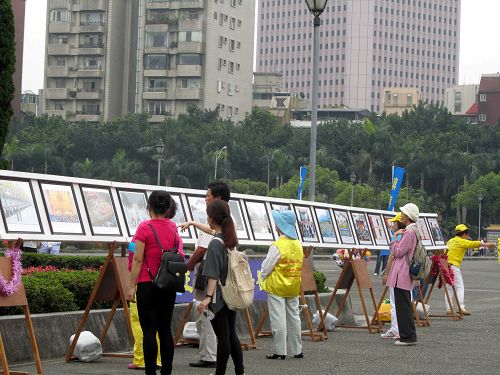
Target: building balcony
90	5
57	93
56	112
90	27
90	72
156	28
157	118
59	27
82	94
57	71
90	116
59	4
190	47
190	25
192	4
91	49
59	49
188	70
188	93
159	49
162	4
155	72
149	94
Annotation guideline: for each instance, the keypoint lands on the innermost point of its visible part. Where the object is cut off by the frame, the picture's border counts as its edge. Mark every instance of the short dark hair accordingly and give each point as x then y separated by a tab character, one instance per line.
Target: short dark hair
220	190
159	202
461	233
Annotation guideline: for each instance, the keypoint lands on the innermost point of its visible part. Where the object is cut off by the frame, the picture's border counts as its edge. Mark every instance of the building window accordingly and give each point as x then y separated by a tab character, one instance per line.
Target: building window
60	15
482	97
157	108
155	62
482	117
190	36
156	39
156	85
190	83
188	59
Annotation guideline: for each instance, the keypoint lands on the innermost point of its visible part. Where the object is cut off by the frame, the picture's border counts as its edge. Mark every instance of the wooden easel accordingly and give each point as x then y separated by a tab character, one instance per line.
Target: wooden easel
420	322
110	286
308	284
431	281
355	270
18	299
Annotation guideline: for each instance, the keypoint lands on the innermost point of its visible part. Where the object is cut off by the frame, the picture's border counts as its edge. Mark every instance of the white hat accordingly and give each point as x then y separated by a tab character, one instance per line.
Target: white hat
410	210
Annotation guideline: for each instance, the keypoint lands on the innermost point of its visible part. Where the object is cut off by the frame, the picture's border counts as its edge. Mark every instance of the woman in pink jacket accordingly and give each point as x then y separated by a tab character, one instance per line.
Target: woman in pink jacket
399	275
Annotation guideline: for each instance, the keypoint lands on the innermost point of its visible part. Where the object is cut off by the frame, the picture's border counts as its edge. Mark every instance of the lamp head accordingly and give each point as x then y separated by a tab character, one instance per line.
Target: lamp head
160	147
480	197
316	7
353	177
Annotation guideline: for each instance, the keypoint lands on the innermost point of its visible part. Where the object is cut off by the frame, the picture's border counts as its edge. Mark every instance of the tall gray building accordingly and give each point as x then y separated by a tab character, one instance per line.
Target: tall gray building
106	58
365	46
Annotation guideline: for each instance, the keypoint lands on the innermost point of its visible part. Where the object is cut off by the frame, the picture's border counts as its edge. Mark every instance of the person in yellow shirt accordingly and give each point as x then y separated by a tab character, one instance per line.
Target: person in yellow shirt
281	274
498	249
457	246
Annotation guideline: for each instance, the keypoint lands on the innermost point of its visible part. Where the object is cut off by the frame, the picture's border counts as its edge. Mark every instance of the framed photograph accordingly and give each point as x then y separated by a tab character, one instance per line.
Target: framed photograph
436	233
362	228
280	207
424	232
378	229
390	226
326	227
198	209
100	210
345	231
60	203
18	207
306	224
134	206
180	216
259	221
239	222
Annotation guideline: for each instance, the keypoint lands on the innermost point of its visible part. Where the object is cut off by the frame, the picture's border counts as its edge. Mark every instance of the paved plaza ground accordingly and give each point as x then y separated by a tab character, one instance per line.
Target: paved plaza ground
471	346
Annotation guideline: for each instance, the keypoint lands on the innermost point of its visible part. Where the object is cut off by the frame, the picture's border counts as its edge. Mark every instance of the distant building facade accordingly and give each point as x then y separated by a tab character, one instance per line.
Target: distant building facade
400	99
29	103
19	9
365	45
488	99
460	98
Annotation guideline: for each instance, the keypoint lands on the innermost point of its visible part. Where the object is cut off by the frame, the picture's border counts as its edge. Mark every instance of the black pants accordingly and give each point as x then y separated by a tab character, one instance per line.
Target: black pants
404	313
381	260
155	309
227	341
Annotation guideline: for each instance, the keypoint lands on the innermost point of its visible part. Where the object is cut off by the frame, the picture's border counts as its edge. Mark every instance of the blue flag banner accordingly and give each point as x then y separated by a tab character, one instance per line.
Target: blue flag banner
397	180
303	175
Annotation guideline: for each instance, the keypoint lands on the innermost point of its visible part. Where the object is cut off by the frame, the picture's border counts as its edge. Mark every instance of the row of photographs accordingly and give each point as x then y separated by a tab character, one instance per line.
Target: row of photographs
252	217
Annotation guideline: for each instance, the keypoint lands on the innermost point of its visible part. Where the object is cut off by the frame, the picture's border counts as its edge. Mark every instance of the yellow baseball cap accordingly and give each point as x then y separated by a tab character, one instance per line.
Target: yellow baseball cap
461	228
396	218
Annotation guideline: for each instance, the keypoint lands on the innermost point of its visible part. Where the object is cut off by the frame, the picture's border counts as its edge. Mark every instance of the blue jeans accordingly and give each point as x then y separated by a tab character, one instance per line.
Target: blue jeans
54	249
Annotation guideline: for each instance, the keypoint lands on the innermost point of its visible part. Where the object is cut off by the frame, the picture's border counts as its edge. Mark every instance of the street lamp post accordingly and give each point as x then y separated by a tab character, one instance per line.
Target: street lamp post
316	7
480	198
217	156
353	180
269	160
159	148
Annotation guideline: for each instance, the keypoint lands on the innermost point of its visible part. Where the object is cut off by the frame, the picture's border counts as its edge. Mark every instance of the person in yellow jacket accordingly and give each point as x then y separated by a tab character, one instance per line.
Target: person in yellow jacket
457	246
281	274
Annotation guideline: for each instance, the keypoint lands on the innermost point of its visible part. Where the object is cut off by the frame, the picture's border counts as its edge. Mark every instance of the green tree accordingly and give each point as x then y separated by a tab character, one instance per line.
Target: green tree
7	68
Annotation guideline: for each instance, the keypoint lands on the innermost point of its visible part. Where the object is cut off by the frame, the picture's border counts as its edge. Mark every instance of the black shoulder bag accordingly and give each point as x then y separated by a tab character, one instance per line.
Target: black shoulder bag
171	274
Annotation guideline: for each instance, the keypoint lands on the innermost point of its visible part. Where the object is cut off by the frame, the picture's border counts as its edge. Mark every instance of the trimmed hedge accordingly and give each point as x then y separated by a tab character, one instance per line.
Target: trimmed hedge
73	262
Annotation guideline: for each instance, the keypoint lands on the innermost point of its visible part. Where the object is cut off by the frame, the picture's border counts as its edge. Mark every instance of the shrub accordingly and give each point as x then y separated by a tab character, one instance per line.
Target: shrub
320	279
73	262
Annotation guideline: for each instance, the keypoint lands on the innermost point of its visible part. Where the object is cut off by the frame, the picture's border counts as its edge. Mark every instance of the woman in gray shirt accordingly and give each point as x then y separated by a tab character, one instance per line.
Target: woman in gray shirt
215	269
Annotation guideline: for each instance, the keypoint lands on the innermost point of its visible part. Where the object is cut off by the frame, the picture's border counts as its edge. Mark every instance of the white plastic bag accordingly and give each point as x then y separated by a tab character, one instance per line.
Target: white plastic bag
330	321
88	348
420	310
190	332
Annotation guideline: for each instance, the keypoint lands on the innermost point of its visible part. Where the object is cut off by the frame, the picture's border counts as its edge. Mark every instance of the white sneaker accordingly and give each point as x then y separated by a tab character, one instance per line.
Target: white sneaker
390	334
405	343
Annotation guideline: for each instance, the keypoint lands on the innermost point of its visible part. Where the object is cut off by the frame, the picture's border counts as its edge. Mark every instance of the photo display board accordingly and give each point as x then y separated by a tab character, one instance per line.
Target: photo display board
59	208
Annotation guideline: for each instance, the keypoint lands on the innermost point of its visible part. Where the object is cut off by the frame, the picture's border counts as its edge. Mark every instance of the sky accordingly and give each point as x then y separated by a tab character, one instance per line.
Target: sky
479	41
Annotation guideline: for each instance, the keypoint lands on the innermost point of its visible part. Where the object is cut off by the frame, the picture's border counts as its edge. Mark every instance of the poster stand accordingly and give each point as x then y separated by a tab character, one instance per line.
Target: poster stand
308	285
110	286
355	270
18	299
179	340
431	281
424	322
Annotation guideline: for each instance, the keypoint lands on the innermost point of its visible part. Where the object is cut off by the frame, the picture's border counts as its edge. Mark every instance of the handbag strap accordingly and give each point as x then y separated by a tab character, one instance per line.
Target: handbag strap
414	229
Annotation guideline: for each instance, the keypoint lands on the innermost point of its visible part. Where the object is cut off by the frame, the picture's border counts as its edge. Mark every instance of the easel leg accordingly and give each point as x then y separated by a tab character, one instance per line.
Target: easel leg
308	317
263	319
379	323
3	358
111	314
248	320
180	329
377	309
321	319
34	345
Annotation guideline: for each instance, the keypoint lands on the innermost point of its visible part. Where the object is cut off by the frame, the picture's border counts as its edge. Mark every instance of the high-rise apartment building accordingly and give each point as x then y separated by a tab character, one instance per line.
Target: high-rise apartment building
109	57
365	46
90	59
19	9
195	52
